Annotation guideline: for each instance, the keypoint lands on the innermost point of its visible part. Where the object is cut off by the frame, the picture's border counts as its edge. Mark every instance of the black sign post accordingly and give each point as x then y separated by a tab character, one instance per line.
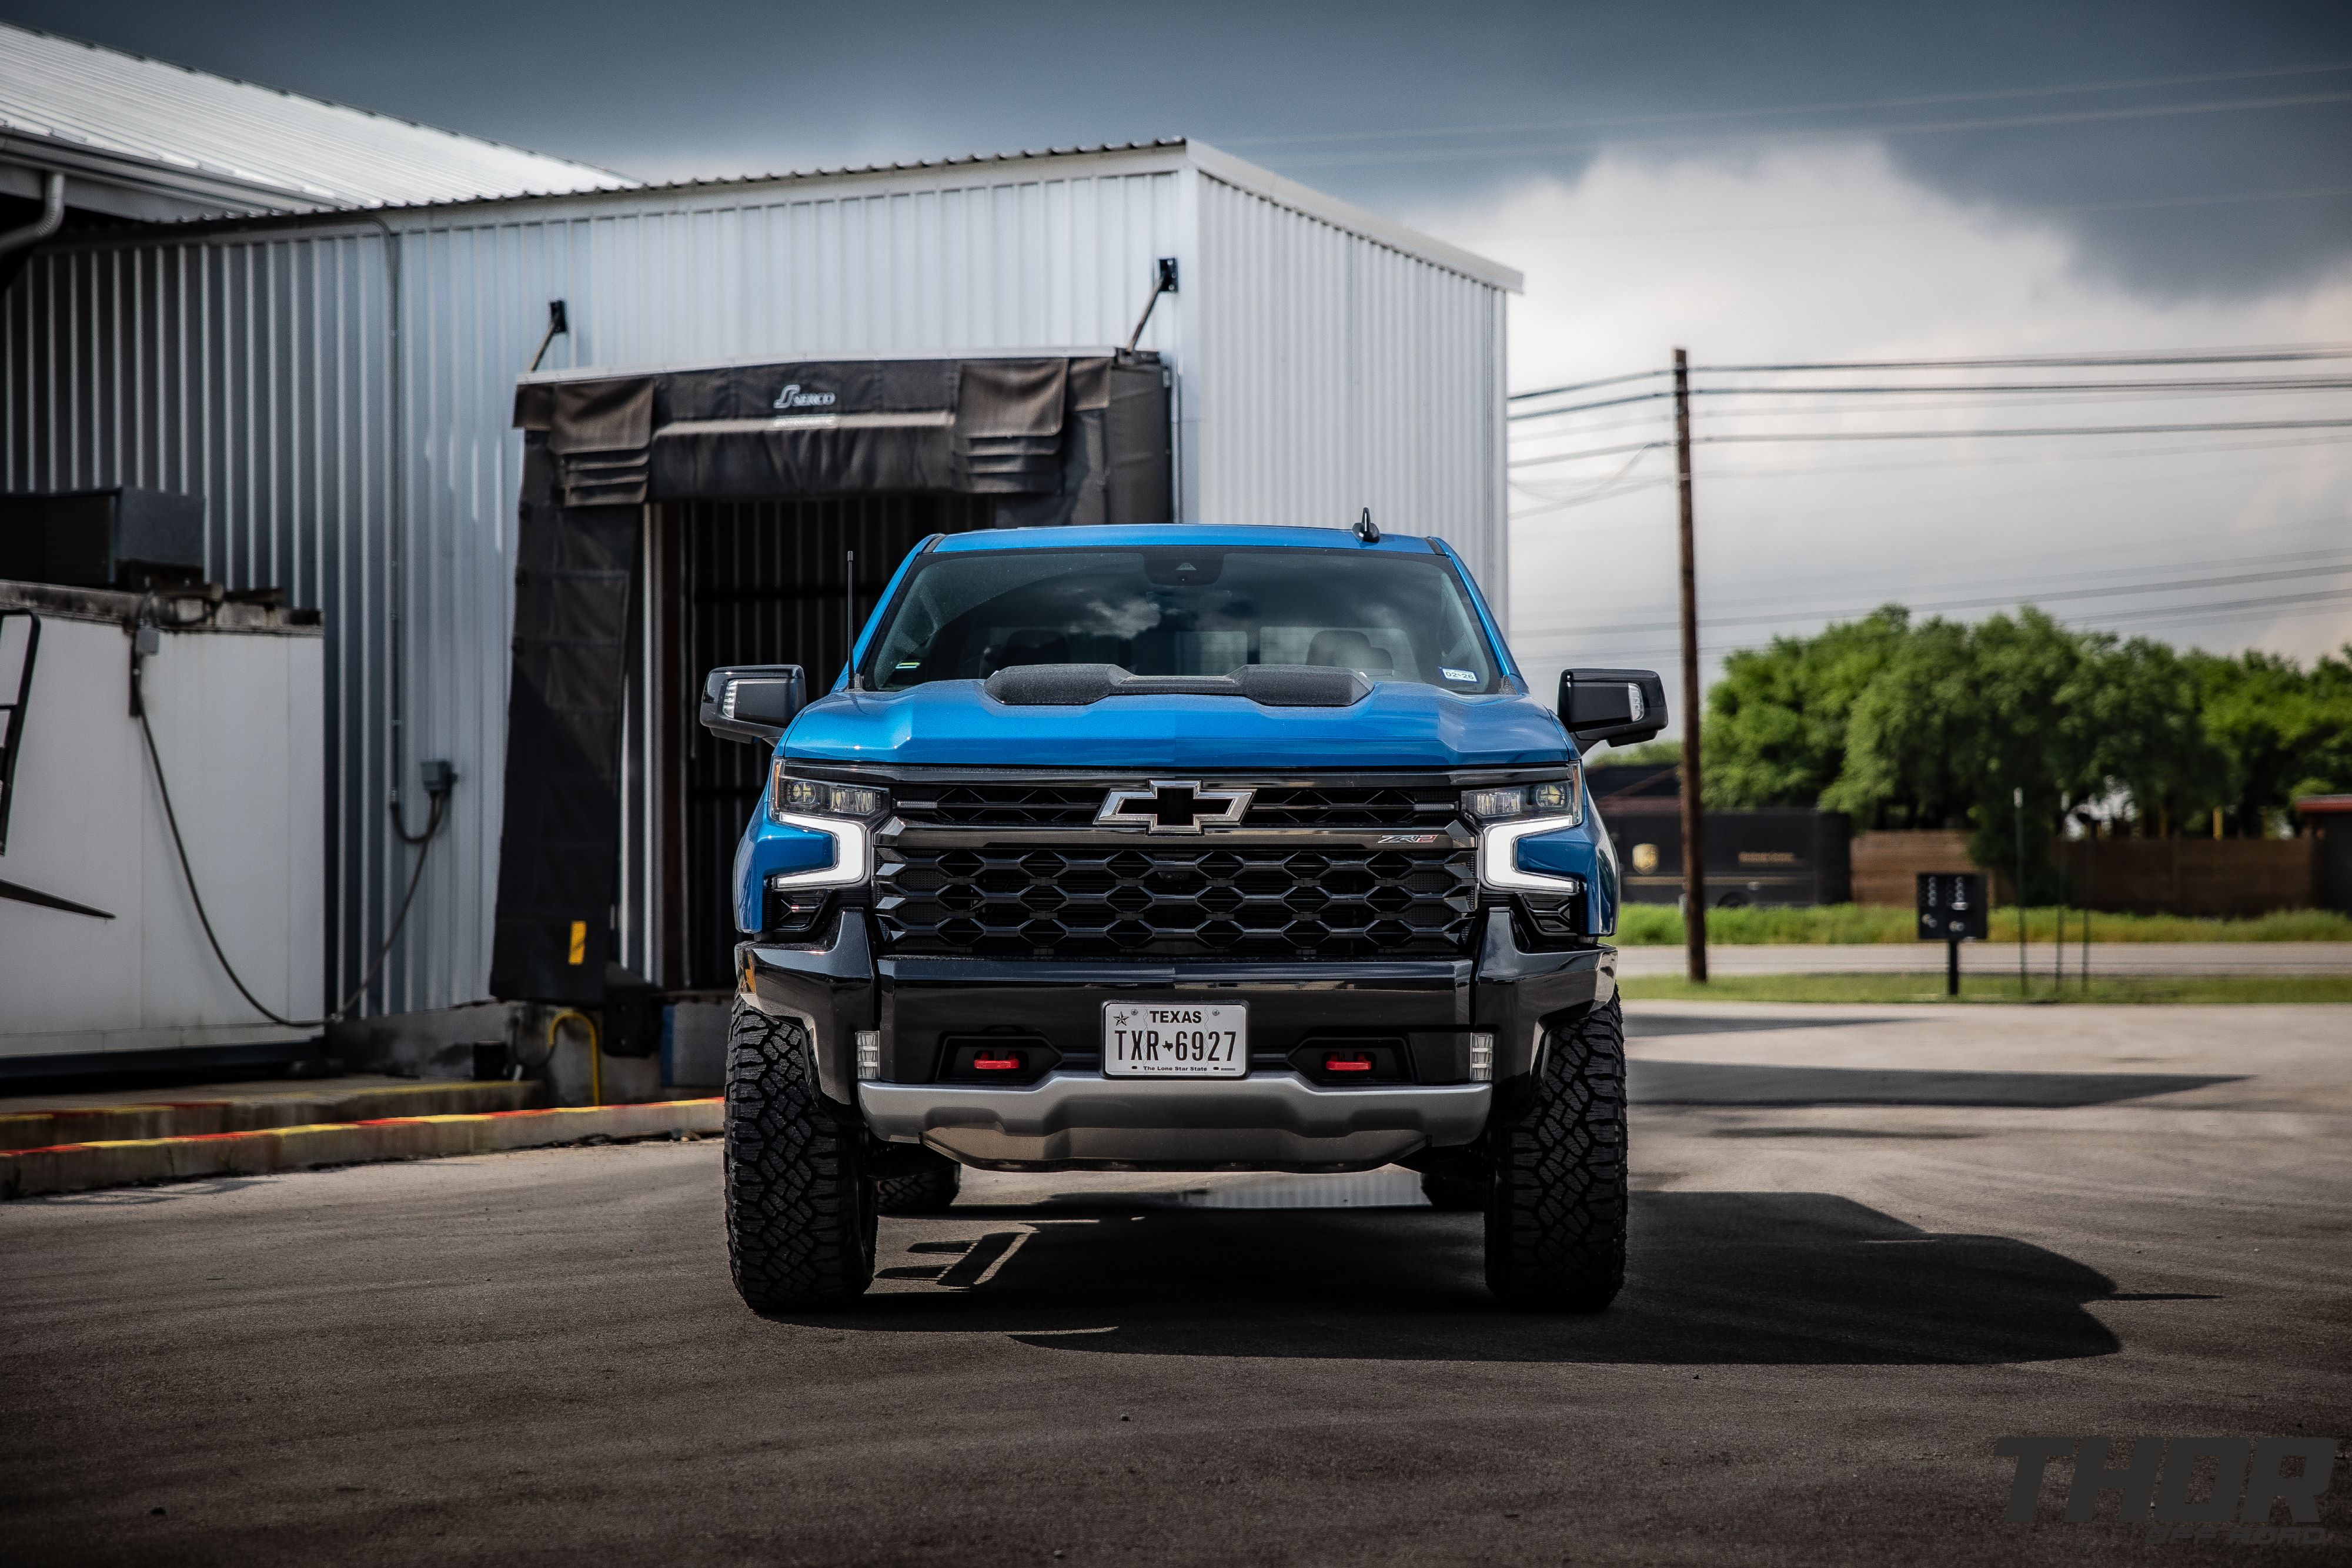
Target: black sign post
1952	911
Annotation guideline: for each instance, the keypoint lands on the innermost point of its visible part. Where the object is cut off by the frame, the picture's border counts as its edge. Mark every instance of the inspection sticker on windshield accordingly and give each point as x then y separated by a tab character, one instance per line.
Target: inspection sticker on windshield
1467	677
1147	1039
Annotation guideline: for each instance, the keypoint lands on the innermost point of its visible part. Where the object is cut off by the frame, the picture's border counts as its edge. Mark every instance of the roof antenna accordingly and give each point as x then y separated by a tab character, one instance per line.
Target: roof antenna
849	614
1365	530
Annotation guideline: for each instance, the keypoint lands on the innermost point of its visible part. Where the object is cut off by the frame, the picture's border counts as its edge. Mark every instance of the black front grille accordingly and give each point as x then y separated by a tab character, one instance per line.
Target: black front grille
1429	809
1202	901
999	805
1398	807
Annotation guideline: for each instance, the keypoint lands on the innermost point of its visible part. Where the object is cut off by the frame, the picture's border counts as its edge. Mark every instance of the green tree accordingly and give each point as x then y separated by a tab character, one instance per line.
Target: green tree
2279	731
1911	734
2142	704
1777	721
2038	734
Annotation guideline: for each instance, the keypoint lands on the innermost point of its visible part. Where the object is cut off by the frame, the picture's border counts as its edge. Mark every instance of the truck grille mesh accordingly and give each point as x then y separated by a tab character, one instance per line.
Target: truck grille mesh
1401	808
1197	902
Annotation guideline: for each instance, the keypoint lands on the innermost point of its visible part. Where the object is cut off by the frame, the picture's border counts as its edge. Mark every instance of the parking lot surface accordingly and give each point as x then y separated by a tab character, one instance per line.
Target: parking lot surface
1868	1243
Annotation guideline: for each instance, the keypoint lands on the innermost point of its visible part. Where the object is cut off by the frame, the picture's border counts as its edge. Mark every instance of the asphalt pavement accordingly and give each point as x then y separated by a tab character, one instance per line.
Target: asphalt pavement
1868	1243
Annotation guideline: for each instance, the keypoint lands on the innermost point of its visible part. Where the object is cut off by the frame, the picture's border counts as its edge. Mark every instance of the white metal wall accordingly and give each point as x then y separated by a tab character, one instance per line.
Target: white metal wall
252	368
236	717
1332	373
1319	372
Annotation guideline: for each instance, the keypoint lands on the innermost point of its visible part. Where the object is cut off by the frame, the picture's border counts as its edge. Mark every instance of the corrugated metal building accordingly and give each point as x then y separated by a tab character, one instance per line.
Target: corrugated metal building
339	389
149	140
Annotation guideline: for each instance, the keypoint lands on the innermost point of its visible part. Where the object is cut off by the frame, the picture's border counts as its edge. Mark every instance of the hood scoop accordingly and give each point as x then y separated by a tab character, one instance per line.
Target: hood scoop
1270	686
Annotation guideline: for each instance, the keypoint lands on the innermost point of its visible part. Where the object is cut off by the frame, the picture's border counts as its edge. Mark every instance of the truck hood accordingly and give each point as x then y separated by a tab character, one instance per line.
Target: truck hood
1402	724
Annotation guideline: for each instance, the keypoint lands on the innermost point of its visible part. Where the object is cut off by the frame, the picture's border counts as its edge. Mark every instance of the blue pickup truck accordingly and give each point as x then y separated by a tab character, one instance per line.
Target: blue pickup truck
1176	848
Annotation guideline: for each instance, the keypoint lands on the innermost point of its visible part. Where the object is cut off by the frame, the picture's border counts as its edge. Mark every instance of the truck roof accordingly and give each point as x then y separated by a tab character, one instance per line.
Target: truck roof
1179	536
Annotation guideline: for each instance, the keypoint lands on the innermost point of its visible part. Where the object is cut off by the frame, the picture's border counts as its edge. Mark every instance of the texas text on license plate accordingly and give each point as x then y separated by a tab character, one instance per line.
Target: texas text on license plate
1149	1039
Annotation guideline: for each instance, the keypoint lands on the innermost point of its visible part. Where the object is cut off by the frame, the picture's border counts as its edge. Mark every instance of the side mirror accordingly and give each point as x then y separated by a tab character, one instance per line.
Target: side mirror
753	702
1620	706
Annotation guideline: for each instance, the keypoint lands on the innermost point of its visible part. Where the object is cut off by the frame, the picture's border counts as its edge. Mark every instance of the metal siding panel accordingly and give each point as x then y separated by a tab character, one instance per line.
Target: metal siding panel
1333	371
1325	372
267	389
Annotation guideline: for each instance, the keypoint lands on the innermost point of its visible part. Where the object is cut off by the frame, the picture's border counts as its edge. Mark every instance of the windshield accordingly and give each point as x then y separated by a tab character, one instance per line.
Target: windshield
964	616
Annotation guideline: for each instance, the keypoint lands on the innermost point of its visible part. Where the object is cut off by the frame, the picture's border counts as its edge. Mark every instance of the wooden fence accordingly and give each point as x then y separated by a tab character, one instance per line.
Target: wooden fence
2138	876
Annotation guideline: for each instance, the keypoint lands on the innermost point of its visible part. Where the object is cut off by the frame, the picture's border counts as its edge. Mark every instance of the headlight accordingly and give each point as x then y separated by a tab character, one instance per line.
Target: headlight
1553	798
816	798
1507	816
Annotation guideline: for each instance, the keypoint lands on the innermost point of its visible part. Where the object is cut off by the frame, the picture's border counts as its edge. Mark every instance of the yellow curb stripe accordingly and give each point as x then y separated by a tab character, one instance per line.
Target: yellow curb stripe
194	1118
121	1162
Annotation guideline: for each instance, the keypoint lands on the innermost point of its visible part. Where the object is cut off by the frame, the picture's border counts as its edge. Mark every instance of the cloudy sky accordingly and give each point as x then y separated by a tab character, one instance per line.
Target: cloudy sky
1762	185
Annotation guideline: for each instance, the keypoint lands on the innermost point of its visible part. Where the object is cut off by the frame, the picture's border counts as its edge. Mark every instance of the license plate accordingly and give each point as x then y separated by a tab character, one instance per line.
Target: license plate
1152	1040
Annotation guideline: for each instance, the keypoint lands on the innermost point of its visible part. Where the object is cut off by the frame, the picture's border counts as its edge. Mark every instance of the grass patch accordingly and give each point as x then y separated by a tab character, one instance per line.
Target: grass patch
1926	988
1661	925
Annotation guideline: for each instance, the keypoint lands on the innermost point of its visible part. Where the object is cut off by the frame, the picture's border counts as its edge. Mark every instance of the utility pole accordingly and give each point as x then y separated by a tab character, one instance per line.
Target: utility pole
2017	800
1694	822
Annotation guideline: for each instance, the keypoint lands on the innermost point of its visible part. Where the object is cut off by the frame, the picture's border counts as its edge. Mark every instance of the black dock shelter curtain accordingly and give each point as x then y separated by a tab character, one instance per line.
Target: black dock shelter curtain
1062	440
559	850
1055	440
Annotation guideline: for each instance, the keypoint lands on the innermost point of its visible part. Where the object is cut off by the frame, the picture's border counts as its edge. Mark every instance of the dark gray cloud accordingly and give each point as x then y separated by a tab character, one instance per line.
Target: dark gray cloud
2169	198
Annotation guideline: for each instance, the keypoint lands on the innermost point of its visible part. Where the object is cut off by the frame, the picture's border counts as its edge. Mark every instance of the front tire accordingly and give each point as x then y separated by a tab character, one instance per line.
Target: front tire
1556	1214
800	1208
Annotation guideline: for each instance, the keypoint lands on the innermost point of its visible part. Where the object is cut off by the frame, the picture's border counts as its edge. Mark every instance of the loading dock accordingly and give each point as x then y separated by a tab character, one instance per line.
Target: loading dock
775	500
338	390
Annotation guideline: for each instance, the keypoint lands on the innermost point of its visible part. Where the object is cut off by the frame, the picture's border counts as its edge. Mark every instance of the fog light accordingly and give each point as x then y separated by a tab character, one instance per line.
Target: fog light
1482	1059
869	1054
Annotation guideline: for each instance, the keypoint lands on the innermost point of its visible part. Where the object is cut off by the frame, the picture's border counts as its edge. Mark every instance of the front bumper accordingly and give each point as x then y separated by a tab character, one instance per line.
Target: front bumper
1267	1121
1272	1118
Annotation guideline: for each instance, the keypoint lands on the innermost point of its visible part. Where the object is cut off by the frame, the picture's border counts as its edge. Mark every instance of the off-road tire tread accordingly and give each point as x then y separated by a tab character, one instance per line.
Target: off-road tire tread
930	1189
1556	1215
800	1209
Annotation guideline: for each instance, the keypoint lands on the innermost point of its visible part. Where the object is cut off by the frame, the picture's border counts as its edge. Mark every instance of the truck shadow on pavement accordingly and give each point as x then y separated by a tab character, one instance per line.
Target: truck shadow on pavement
1714	1278
1770	1083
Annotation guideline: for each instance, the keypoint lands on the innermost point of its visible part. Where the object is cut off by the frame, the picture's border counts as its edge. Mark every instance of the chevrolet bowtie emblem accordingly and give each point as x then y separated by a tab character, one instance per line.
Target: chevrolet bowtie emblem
1173	806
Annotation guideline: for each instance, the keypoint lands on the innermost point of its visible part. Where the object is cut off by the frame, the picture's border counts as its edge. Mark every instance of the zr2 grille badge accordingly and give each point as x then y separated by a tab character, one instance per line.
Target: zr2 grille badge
1173	806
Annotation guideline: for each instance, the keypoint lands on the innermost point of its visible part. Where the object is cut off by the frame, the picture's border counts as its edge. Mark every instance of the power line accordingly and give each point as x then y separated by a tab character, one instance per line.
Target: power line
1993	602
2145	385
2334	559
1785	436
1917	101
2282	608
2279	605
1912	463
2273	354
1530	438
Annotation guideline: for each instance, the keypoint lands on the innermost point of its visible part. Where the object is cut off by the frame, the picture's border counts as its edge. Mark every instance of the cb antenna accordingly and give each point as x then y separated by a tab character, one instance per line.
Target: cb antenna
1365	530
849	614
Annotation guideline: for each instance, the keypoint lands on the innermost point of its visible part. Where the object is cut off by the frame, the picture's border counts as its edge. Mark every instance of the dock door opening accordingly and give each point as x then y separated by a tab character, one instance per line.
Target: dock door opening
671	521
756	582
